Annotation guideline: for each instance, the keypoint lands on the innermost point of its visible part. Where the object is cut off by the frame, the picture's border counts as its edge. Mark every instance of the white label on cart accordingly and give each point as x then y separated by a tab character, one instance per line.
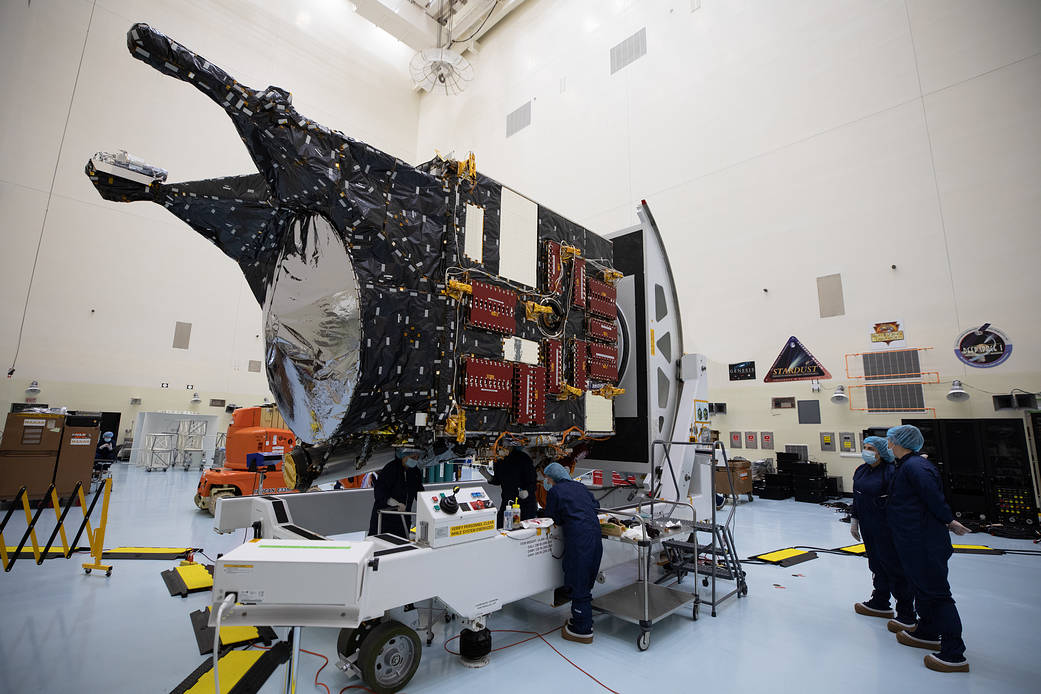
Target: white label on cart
488	606
251	596
34	422
537	546
79	440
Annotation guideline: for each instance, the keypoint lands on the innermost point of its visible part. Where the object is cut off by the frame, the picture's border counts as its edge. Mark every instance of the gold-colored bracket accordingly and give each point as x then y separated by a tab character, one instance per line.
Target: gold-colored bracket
533	310
610	392
456	425
611	276
568	252
468	168
456	289
568	392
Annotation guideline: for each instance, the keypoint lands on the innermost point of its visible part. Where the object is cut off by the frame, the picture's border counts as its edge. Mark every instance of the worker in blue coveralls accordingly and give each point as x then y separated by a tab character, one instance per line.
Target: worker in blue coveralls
395	489
868	524
573	508
919	519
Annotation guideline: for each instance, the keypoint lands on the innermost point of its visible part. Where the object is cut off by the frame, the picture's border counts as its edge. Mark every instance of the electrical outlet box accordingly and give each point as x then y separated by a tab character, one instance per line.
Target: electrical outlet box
827	440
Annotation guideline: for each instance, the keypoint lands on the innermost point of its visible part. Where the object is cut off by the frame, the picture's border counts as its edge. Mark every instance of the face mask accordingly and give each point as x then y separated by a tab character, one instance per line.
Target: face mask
546	484
869	457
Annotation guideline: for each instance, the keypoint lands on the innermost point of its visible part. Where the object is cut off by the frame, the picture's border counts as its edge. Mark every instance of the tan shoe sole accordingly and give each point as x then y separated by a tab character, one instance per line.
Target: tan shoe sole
861	608
896	627
914	642
577	638
934	663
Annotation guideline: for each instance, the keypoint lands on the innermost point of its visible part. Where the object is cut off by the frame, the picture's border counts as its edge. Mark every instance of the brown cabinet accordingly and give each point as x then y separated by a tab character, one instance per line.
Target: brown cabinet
34	471
76	459
38	449
29	432
741	471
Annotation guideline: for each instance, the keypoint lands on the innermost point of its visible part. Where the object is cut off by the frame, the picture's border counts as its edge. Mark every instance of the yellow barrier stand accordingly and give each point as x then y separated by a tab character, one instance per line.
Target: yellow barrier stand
29	522
61	526
97	539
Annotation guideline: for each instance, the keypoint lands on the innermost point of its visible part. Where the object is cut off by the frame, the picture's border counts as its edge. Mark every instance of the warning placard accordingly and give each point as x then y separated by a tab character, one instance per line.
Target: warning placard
79	440
469	528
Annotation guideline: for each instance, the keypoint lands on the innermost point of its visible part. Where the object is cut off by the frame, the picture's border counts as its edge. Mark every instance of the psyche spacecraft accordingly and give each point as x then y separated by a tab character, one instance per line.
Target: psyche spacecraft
421	306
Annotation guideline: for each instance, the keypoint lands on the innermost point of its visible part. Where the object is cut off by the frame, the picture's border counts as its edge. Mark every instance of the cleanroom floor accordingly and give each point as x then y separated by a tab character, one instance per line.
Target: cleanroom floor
63	631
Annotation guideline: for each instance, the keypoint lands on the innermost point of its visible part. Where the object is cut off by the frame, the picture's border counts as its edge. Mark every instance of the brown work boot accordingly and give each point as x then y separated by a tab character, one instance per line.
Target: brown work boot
933	662
577	638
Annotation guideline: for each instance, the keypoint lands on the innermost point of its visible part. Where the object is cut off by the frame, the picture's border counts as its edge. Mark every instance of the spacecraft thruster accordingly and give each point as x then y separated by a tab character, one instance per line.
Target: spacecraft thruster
403	305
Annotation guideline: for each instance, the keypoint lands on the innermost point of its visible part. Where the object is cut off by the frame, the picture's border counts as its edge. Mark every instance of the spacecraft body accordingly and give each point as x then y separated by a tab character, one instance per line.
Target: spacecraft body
403	306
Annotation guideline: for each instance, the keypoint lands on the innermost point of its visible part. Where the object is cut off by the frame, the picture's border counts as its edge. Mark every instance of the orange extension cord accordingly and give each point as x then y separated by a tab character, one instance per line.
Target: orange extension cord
532	635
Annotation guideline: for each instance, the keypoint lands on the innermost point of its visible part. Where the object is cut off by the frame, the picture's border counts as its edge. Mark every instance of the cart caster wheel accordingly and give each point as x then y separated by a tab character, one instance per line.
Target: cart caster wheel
108	573
430	641
644	641
744	589
696	612
704	582
86	571
750	497
448	618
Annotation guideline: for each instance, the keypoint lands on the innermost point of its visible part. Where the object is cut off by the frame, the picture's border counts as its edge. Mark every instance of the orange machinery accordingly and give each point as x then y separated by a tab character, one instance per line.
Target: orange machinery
252	430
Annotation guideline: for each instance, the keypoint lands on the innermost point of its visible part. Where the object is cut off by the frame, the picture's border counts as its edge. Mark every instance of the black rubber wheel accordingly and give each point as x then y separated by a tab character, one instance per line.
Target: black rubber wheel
86	571
750	497
348	640
704	582
744	589
643	642
389	656
695	612
108	573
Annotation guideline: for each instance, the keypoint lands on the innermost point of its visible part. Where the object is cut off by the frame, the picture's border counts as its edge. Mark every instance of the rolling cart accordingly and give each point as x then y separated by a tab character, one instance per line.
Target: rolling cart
646	602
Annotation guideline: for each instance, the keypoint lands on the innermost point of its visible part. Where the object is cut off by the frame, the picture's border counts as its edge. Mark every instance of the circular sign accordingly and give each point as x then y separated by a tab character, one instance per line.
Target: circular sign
983	347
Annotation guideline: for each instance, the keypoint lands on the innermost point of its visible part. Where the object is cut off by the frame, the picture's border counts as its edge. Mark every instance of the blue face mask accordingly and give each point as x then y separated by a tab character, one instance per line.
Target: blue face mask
869	457
546	484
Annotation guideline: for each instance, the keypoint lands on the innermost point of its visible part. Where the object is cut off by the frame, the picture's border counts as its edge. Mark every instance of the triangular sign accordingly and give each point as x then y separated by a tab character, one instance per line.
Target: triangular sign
795	363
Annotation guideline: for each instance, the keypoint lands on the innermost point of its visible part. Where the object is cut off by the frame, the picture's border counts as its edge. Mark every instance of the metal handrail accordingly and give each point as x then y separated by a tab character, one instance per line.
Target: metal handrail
379	518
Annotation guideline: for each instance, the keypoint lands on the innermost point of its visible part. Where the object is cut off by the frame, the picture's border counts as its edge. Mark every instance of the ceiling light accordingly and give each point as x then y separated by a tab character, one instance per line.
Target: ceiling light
34	388
839	396
957	393
196	399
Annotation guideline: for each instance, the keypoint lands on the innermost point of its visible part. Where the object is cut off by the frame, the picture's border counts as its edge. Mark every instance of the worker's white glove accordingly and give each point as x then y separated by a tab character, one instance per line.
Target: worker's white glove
523	494
395	504
957	528
854	529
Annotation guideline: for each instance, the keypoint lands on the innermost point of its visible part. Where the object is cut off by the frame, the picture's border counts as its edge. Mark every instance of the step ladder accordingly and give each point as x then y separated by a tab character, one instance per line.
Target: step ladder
715	559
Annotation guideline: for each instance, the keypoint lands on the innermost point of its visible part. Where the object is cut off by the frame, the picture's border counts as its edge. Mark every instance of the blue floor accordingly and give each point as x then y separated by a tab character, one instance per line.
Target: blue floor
63	631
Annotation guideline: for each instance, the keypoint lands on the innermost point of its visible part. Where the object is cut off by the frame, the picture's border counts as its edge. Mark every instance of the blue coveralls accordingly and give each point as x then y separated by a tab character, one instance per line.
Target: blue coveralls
513	473
574	509
398	482
918	517
870	495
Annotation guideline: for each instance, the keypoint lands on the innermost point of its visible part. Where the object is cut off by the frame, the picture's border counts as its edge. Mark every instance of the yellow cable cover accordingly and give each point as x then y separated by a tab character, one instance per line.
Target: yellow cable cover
233	666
